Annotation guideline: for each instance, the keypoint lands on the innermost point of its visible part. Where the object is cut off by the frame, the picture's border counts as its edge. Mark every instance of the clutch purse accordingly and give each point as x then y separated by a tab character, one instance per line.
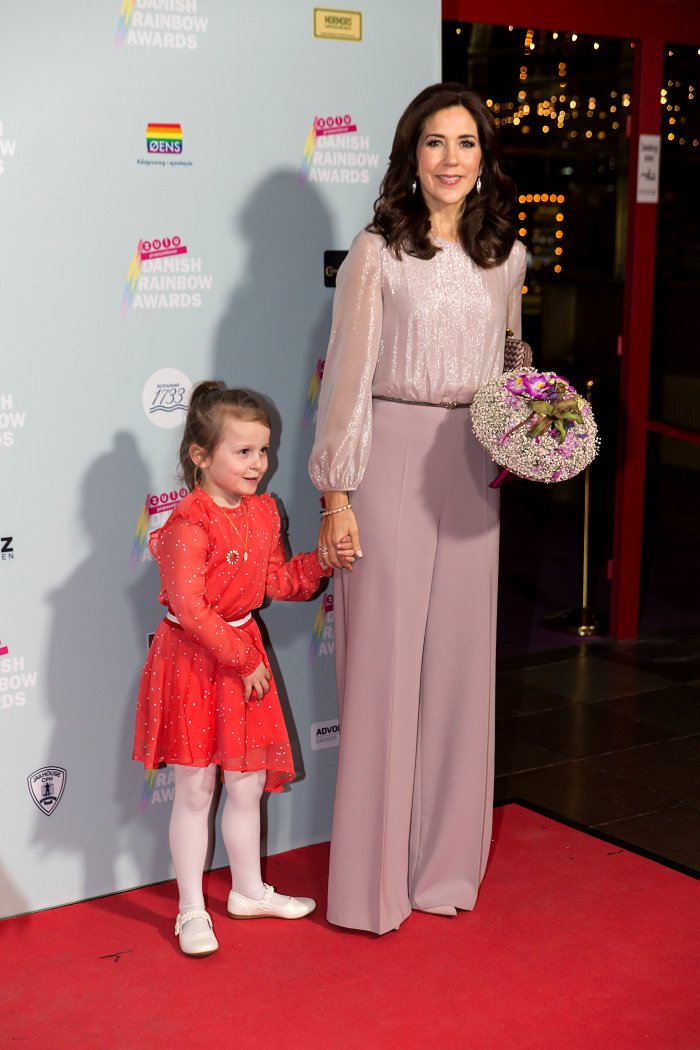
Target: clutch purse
516	354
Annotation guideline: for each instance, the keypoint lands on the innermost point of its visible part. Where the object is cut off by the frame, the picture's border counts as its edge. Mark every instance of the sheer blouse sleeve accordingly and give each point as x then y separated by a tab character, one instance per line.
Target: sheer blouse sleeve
294	580
181	550
344	426
515	297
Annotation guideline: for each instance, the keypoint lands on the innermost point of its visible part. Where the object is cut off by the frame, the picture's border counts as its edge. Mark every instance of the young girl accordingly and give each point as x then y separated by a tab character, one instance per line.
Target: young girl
207	696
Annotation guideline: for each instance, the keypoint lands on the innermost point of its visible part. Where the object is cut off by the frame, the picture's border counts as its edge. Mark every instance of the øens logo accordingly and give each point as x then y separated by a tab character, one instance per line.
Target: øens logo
164	138
173	24
10	421
159	786
154	513
46	786
333	154
157	268
7	149
325	734
312	395
7	551
323	635
163	142
165	396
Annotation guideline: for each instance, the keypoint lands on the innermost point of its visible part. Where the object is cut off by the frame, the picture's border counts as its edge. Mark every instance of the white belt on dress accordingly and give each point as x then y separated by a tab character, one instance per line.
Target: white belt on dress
232	623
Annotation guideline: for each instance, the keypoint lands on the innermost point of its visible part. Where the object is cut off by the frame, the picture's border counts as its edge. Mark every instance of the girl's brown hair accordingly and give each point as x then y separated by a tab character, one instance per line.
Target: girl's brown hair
211	406
402	216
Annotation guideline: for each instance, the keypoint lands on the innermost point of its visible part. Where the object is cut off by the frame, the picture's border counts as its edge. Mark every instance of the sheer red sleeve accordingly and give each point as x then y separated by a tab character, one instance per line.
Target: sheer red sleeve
294	580
181	549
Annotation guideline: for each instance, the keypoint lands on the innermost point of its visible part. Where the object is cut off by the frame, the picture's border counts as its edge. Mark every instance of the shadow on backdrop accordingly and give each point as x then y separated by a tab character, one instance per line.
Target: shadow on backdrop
95	653
270	339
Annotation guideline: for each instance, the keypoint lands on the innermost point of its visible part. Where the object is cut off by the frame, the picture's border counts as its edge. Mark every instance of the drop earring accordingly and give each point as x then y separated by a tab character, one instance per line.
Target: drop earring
478	183
414	187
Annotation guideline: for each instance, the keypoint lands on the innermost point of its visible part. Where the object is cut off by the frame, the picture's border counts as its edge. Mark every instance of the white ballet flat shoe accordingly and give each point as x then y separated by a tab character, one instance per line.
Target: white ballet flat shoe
203	943
240	907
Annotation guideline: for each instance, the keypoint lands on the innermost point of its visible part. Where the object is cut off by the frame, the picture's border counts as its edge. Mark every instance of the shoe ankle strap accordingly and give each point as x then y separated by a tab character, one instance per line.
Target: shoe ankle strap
195	913
267	895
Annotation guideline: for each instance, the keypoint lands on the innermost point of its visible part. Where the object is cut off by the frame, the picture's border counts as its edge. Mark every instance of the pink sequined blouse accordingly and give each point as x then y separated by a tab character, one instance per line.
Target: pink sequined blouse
422	330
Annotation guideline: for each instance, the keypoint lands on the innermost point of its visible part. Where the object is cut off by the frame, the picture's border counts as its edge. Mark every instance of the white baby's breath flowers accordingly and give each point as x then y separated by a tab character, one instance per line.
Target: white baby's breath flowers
507	401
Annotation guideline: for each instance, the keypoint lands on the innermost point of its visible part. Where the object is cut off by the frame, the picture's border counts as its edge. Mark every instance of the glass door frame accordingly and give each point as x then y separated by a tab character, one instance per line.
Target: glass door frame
650	27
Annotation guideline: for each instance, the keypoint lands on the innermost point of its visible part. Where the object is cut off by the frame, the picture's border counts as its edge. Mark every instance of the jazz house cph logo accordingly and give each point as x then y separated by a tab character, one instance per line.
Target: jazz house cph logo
160	279
160	23
46	787
154	513
332	152
323	634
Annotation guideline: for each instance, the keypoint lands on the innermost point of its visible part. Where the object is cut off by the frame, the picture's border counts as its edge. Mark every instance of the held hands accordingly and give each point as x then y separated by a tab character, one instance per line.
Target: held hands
258	682
340	535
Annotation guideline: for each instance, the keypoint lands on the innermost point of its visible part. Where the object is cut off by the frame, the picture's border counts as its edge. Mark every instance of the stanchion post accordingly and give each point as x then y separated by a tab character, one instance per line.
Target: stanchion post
581	620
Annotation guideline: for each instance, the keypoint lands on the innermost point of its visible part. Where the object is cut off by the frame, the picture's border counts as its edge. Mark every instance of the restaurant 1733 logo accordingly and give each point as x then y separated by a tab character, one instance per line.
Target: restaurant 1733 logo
165	396
333	152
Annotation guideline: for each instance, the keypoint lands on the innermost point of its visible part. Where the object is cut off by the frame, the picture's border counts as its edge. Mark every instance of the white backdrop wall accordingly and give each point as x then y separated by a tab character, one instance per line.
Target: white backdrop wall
85	202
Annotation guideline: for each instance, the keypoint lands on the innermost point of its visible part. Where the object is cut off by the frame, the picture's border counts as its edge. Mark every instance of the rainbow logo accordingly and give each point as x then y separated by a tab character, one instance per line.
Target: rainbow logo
312	395
141	536
322	126
322	636
156	249
147	789
309	147
132	279
123	24
164	138
158	786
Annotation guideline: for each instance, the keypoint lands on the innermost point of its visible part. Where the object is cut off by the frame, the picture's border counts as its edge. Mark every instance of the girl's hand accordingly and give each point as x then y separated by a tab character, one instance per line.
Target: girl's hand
340	534
258	681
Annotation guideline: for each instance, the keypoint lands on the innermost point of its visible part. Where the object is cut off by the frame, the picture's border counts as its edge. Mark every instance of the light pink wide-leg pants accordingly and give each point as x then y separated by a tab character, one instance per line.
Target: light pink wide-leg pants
415	629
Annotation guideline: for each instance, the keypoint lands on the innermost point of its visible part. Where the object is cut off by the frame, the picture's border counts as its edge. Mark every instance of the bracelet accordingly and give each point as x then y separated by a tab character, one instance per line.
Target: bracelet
325	513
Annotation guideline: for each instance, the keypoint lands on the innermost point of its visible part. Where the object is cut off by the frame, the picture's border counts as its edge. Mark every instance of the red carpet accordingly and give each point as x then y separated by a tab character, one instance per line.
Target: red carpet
574	944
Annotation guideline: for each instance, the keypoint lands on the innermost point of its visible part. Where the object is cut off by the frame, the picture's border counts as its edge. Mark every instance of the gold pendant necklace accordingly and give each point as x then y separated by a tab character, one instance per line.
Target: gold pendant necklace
233	556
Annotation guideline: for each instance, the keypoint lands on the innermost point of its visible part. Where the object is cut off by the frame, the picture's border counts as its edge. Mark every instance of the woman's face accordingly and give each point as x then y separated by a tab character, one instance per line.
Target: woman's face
449	158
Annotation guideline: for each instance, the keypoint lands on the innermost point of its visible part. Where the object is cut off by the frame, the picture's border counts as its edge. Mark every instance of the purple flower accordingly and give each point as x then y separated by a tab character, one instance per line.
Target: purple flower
538	387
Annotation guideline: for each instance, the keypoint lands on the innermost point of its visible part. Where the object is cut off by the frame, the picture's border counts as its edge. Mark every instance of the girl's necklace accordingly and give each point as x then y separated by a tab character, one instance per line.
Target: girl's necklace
233	556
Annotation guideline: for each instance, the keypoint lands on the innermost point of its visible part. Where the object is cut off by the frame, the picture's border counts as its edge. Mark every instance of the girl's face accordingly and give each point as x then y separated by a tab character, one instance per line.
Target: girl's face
449	158
237	464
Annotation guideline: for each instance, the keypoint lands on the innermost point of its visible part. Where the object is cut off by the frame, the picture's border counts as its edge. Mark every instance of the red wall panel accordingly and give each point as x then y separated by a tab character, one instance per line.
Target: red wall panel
676	21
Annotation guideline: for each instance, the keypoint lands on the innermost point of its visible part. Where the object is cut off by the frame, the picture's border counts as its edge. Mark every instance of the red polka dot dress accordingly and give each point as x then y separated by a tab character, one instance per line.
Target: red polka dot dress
191	708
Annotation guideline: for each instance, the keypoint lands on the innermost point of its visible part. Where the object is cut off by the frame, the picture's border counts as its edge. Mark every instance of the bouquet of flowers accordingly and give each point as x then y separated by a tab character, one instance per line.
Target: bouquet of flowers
535	425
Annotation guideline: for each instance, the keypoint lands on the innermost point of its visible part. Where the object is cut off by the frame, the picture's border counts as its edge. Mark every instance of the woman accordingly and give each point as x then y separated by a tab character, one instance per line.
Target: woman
421	308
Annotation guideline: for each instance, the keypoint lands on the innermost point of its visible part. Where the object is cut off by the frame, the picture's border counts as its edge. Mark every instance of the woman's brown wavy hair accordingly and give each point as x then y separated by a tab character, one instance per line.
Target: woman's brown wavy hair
210	408
402	216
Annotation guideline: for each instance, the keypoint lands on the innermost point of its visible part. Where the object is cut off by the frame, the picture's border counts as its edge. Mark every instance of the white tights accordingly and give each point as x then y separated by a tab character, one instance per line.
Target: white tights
240	830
